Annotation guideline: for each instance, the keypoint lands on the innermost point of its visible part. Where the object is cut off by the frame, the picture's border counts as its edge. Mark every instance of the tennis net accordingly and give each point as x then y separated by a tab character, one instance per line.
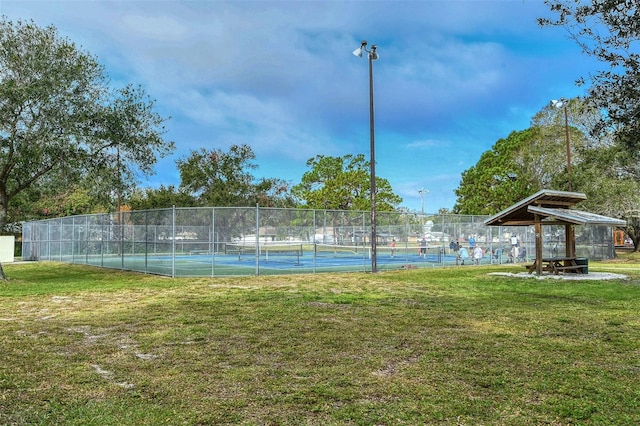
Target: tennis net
265	250
337	250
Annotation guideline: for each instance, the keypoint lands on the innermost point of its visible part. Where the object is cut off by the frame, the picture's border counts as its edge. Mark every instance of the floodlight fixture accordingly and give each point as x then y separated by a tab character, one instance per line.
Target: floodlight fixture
371	53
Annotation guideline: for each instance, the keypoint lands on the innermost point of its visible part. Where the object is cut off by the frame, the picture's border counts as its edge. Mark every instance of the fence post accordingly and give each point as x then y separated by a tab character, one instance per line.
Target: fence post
146	241
73	239
104	236
173	242
257	239
314	239
406	237
213	247
87	230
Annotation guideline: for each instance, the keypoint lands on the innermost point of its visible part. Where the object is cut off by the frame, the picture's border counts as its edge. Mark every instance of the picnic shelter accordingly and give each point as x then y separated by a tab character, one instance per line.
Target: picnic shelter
550	207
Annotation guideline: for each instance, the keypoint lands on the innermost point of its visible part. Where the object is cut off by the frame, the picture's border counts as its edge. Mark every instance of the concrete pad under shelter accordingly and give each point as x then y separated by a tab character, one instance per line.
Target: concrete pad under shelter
591	276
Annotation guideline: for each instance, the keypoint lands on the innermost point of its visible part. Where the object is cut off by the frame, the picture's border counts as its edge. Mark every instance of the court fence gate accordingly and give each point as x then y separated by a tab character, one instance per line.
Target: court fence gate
224	241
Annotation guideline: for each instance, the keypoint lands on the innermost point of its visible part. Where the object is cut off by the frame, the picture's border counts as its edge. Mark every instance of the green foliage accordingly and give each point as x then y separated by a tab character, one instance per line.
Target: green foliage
160	198
60	122
273	192
127	140
528	160
609	32
497	180
72	202
218	178
607	177
343	183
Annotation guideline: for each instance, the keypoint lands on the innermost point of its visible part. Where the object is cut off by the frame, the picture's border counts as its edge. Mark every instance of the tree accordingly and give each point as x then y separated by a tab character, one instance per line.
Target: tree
59	120
496	181
525	162
273	192
218	178
343	183
160	198
546	159
128	140
607	178
74	201
609	31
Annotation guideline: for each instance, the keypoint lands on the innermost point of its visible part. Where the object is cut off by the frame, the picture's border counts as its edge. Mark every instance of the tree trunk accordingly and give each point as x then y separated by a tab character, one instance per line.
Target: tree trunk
635	241
633	231
4	206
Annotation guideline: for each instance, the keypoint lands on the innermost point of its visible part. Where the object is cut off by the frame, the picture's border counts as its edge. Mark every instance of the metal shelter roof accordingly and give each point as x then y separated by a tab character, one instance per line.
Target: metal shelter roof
553	206
576	217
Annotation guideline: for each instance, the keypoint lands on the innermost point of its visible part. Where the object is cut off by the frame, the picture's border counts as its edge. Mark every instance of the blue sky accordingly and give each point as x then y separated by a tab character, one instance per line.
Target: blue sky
453	77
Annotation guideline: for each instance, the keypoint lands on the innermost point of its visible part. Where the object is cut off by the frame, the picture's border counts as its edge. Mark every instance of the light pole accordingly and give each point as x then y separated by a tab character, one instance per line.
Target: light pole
562	103
372	55
422	193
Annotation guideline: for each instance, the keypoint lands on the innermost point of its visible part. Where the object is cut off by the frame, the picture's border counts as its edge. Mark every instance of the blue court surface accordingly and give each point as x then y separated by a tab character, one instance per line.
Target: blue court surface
275	261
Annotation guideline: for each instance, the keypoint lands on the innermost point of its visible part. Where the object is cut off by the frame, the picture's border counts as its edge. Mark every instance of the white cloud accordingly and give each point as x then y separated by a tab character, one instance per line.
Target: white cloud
452	78
161	28
425	144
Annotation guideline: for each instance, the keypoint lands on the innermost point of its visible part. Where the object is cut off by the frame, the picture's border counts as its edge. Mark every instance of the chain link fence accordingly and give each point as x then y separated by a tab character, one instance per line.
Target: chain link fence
223	241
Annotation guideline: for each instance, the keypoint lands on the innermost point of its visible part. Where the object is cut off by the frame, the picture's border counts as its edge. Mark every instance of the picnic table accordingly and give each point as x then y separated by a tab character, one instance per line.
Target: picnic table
557	265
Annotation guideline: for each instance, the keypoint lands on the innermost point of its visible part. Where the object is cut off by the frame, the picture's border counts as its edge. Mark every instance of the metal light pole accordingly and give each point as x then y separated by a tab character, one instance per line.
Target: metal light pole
372	55
422	193
562	103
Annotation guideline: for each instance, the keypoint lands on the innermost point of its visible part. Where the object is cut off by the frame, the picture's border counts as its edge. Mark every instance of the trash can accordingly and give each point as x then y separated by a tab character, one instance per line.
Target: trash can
584	262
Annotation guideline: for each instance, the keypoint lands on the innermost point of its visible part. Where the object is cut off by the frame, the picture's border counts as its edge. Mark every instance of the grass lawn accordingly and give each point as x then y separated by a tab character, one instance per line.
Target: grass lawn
450	346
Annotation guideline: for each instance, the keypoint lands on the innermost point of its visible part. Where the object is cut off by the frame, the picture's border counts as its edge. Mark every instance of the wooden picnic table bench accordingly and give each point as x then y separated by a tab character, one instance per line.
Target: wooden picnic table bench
557	265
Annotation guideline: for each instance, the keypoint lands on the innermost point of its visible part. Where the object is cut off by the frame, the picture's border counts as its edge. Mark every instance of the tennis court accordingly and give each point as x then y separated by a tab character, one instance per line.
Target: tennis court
279	259
222	241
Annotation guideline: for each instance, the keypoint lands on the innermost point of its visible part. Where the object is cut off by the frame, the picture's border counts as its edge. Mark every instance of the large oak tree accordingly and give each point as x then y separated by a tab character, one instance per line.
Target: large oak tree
609	30
224	178
343	183
61	122
525	162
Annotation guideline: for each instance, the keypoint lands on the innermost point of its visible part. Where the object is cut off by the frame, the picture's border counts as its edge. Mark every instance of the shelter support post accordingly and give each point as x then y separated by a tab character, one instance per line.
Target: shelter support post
538	230
570	240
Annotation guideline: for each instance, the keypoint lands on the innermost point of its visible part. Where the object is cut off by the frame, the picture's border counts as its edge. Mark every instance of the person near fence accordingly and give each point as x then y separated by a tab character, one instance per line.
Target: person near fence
515	254
423	247
463	255
522	255
478	254
472	242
